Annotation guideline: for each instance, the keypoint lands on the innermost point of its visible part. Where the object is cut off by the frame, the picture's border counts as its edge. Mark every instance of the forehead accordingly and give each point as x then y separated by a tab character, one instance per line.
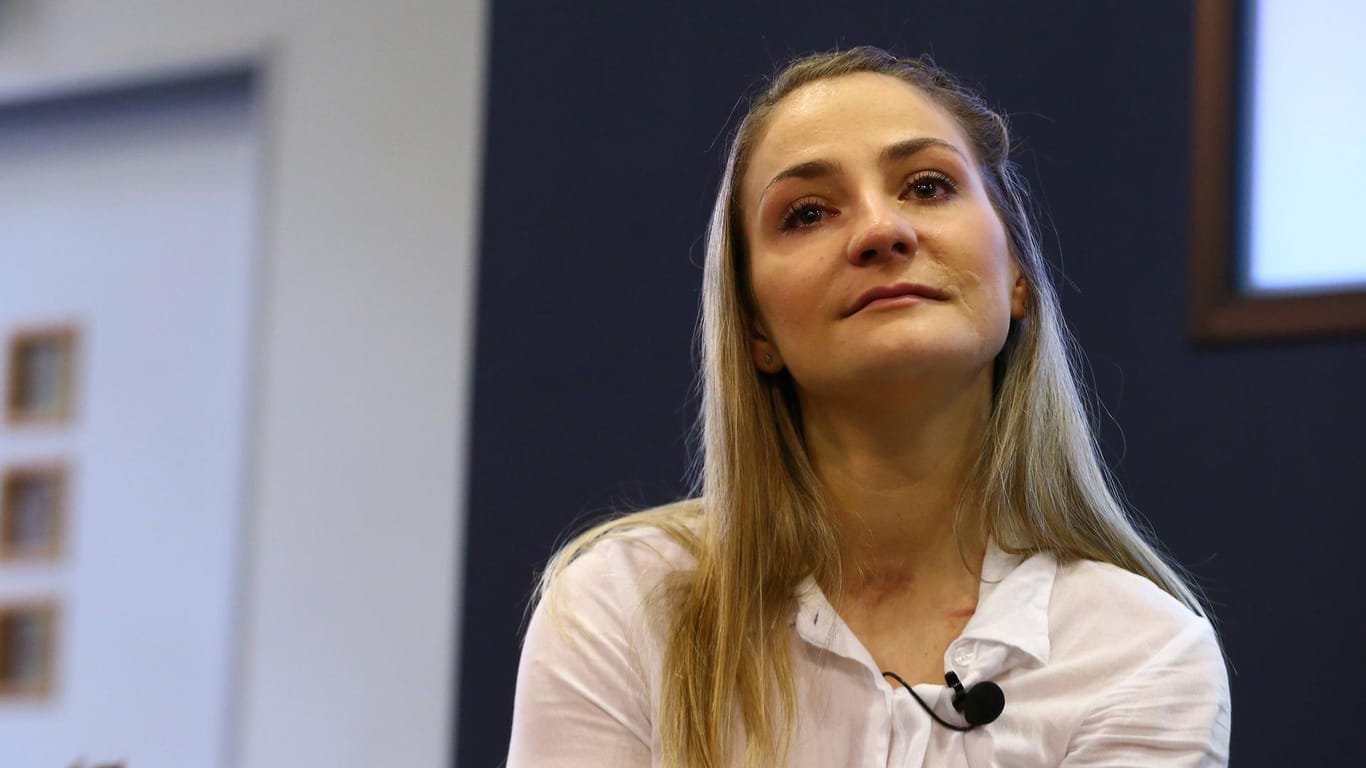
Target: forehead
850	116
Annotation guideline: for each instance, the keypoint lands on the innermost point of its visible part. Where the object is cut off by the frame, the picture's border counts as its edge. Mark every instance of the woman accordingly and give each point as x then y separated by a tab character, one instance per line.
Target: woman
898	482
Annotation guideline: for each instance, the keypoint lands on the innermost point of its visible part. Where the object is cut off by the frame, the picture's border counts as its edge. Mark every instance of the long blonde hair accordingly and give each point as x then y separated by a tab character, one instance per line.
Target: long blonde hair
758	526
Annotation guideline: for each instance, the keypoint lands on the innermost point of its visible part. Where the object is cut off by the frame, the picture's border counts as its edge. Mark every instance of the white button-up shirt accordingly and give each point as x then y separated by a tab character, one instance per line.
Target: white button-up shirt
1099	667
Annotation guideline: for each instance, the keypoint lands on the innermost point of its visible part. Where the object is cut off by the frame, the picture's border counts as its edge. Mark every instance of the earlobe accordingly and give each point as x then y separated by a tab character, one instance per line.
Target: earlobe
1019	299
765	357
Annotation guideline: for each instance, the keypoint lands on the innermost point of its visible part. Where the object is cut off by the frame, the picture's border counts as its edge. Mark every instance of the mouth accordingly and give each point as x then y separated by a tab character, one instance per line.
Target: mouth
886	293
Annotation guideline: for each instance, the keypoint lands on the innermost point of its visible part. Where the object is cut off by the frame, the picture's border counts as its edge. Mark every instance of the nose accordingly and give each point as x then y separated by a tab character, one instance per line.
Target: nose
883	232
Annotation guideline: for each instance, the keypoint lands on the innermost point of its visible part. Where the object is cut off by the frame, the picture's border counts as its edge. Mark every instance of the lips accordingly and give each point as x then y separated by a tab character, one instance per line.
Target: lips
894	291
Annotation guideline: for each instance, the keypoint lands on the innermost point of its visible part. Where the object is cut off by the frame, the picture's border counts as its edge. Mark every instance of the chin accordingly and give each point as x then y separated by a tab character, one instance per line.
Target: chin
909	370
922	356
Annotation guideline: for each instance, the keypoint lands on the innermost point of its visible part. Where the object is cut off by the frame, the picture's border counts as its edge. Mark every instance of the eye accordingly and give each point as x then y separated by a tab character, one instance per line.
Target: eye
804	214
930	186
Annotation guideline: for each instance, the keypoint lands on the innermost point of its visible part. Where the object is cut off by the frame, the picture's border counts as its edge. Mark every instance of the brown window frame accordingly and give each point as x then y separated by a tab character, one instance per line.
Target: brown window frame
58	474
45	685
1219	310
68	336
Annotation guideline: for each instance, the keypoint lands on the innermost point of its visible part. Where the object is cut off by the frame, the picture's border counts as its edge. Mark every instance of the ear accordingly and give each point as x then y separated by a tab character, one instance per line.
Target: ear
765	353
1019	297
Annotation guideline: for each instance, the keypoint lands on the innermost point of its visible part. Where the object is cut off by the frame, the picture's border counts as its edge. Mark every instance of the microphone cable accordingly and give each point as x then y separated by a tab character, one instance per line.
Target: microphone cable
979	705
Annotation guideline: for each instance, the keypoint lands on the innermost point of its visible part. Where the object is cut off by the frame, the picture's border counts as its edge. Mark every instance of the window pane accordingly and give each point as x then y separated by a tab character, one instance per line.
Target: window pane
1307	195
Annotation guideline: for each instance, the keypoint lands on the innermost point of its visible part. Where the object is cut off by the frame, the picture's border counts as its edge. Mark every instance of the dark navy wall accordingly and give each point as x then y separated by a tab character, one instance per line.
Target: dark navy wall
605	129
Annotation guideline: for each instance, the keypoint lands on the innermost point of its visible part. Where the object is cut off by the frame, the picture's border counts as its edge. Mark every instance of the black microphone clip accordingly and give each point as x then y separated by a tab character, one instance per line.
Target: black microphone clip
980	704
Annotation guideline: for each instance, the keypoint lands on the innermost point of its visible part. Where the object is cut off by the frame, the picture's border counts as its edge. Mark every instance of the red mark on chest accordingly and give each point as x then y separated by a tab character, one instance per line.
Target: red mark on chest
963	613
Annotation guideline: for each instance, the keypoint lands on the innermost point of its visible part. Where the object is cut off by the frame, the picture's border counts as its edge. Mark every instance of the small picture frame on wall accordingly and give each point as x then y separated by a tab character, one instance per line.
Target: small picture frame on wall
40	386
32	512
28	642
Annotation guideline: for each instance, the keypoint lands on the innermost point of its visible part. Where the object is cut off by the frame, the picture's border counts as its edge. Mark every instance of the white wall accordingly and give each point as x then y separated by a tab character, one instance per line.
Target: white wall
135	221
355	503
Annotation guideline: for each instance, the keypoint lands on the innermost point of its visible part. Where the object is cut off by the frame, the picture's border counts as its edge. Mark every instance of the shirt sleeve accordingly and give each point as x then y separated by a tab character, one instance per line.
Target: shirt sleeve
582	699
1172	712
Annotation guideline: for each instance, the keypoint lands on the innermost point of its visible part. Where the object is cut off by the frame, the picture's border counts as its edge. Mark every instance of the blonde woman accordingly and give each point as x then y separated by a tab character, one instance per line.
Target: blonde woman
905	550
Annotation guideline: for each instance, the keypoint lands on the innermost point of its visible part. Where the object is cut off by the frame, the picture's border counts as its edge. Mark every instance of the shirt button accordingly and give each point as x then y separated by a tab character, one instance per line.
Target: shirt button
962	657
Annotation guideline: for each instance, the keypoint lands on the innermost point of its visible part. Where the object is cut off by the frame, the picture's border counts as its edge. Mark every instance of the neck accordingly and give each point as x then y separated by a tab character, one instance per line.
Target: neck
894	474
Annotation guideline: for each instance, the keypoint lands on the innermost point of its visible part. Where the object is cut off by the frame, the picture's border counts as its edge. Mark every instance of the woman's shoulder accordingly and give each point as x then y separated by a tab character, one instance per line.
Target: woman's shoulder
618	566
1106	592
1146	670
1105	615
659	540
592	650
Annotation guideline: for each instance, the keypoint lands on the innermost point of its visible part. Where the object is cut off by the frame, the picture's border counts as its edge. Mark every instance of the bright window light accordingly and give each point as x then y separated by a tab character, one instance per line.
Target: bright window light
1306	223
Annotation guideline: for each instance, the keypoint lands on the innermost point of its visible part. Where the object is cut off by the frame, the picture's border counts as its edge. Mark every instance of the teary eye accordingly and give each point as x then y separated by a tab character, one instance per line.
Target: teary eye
930	185
805	213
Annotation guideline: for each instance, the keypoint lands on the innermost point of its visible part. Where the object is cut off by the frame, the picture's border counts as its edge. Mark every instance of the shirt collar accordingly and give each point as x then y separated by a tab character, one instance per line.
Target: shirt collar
818	623
1012	601
1012	607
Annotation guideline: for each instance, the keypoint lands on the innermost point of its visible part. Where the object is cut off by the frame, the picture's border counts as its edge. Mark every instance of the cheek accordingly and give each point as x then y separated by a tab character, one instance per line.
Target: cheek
995	265
787	298
986	278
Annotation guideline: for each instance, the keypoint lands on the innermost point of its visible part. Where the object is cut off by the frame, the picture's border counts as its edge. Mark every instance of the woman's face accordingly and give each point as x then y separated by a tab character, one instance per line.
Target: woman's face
875	253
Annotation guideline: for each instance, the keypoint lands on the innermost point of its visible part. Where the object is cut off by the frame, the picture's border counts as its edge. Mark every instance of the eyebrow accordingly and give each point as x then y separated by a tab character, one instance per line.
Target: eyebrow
815	169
